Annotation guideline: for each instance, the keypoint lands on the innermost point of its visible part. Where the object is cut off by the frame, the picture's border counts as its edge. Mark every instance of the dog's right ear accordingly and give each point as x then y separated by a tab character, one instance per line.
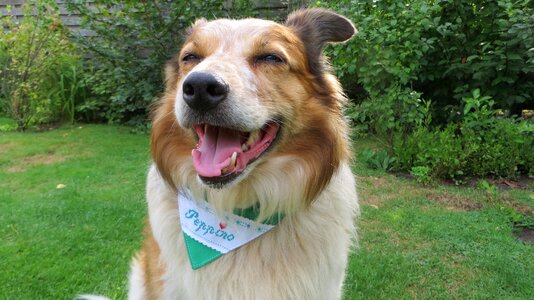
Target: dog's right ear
320	26
315	27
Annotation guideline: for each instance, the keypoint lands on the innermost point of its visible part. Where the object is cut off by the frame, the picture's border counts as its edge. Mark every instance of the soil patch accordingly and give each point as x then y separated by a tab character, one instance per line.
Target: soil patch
522	182
526	235
35	160
454	202
367	184
5	147
375	181
519	207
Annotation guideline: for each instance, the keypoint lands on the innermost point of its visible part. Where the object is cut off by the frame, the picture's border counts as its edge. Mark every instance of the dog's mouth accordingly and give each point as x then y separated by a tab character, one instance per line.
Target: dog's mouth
222	154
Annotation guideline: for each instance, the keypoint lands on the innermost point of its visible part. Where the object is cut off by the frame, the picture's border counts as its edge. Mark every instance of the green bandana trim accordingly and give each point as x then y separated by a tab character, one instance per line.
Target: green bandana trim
199	254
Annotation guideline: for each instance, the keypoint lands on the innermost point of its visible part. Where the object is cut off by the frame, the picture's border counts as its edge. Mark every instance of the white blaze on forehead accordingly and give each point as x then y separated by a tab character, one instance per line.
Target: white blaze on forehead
234	40
235	35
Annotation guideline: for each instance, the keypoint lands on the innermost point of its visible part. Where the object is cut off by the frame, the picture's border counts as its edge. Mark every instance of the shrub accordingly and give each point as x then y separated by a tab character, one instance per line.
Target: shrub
398	111
421	174
481	144
68	86
439	150
32	51
378	160
383	54
441	49
481	45
526	130
411	50
498	142
132	41
384	60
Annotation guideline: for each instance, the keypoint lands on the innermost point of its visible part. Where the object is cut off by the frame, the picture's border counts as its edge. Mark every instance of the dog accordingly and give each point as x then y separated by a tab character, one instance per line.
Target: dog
250	133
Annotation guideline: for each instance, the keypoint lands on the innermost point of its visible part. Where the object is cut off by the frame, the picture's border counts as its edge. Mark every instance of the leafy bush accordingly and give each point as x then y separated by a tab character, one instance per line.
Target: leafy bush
33	51
440	49
384	59
481	45
498	142
482	144
132	41
411	50
439	150
384	54
398	111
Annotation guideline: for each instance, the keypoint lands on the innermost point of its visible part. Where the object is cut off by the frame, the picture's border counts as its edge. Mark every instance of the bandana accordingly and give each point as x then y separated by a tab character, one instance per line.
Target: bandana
208	236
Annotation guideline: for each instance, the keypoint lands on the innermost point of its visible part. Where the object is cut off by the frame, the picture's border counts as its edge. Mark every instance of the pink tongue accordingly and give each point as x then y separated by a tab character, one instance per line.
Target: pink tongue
215	149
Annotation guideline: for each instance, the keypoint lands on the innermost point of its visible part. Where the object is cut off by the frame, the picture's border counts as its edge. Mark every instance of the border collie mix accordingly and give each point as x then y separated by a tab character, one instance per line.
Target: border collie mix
250	195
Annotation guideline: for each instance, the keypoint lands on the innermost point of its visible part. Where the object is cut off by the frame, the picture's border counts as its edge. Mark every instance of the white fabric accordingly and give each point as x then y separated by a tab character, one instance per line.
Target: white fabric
200	222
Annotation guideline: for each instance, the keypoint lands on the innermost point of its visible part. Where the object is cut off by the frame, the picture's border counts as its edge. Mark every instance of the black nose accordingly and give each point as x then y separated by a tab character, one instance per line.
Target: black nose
203	91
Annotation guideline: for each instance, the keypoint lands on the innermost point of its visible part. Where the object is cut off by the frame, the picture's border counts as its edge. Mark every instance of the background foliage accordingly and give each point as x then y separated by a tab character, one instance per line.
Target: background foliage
36	54
439	81
486	45
132	41
435	81
443	49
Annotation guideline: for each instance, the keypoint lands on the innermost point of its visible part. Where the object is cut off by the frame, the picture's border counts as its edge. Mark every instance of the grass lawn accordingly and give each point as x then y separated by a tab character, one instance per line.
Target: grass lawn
72	211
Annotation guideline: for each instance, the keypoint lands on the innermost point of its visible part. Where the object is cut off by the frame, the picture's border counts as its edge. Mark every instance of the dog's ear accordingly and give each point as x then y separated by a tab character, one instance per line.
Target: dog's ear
316	27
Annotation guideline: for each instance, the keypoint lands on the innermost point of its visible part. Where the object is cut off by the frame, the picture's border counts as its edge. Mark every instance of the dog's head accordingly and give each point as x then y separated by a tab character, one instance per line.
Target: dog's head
250	106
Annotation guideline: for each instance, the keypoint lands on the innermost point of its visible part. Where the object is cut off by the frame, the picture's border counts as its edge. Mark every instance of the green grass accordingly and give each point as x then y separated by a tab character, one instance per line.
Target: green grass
56	243
440	242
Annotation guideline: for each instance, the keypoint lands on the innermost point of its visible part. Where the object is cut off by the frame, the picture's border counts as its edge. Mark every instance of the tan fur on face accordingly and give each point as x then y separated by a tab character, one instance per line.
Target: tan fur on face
313	135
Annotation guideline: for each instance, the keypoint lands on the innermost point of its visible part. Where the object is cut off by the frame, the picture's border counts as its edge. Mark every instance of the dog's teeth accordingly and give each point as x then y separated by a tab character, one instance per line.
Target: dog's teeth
244	147
205	128
232	161
253	138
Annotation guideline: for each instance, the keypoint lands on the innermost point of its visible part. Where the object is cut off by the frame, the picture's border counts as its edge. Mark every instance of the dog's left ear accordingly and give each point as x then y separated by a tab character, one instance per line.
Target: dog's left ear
316	27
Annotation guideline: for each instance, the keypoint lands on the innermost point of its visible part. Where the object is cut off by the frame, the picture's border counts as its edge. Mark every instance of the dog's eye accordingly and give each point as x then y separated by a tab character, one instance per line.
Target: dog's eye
190	57
269	58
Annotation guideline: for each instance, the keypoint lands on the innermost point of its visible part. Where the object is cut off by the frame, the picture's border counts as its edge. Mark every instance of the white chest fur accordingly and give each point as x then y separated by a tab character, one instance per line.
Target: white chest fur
304	257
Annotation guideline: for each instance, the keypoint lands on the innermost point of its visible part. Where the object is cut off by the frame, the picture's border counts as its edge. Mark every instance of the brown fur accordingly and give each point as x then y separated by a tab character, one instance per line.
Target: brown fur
152	268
